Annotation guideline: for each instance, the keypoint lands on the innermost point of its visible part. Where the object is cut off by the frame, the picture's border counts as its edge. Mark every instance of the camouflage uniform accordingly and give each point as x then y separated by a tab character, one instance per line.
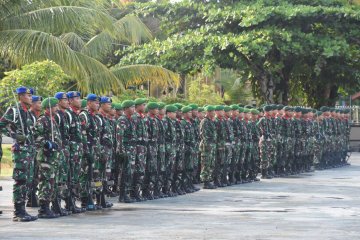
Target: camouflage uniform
208	136
229	149
179	163
161	157
190	153
234	175
220	151
48	159
266	144
170	152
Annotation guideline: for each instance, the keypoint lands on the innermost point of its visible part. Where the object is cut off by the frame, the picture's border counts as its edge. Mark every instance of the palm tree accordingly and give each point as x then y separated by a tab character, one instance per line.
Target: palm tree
77	35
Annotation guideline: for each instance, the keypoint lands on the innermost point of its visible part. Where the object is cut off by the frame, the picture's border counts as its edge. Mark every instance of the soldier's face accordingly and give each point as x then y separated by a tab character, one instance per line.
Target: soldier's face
235	113
36	106
194	113
106	107
64	103
140	108
162	111
93	105
171	115
228	114
220	113
211	114
26	98
200	115
54	109
75	102
187	115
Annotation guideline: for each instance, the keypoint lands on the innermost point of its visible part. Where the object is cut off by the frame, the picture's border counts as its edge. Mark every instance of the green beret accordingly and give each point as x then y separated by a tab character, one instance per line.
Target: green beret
234	107
246	110
128	103
193	106
49	102
140	101
171	108
219	107
287	109
313	110
83	103
304	111
227	108
280	107
248	107
186	109
297	109
178	105
117	106
324	109
152	105
209	108
241	105
267	108
200	109
161	105
318	113
241	109
254	111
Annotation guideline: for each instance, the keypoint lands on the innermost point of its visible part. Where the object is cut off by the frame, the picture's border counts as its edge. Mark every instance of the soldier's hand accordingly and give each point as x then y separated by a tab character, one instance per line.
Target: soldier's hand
20	138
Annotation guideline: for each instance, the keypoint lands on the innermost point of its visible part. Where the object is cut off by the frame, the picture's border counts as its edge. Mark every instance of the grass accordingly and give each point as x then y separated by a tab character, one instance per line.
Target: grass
6	161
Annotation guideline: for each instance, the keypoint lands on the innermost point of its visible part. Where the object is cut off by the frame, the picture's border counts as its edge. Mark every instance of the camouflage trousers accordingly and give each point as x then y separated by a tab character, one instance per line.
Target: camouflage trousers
128	167
151	165
219	161
170	158
235	158
161	162
48	165
86	172
22	160
228	158
266	152
75	163
208	156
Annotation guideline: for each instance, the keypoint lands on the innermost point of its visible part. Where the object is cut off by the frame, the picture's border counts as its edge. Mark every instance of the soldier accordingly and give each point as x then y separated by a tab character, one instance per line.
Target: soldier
200	117
62	169
255	156
170	149
17	123
265	143
161	151
150	180
208	136
288	142
190	154
90	141
196	125
229	145
234	174
297	137
127	140
141	150
35	111
102	168
75	150
244	143
48	143
220	146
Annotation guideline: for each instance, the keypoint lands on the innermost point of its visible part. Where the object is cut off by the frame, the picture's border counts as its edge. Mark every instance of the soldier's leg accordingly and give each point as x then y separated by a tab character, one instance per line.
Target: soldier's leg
128	169
32	181
207	164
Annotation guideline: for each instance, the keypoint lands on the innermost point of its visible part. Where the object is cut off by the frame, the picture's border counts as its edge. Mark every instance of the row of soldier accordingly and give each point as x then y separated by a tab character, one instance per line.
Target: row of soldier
139	150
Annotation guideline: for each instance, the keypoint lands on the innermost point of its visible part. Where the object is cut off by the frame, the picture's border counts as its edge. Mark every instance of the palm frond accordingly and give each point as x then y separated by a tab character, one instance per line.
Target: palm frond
142	73
59	20
128	29
73	40
26	46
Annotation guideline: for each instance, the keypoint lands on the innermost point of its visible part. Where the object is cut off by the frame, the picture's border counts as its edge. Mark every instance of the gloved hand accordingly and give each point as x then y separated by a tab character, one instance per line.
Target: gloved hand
20	138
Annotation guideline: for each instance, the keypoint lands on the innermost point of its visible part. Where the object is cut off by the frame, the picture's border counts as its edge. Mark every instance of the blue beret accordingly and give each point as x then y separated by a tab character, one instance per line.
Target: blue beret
73	94
36	98
60	95
22	89
92	97
105	100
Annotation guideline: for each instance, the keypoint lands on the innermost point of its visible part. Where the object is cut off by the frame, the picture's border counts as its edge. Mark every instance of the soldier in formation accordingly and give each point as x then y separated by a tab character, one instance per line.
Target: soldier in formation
68	149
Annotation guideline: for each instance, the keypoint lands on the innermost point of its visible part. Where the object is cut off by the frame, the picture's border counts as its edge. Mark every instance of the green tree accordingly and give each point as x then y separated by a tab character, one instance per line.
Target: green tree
280	46
45	77
78	35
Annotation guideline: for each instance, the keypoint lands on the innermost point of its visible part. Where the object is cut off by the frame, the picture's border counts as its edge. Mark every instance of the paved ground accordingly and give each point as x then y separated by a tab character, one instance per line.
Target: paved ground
320	205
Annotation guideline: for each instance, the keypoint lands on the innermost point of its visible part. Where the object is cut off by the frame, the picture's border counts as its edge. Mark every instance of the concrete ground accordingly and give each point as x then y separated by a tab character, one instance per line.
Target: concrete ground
320	205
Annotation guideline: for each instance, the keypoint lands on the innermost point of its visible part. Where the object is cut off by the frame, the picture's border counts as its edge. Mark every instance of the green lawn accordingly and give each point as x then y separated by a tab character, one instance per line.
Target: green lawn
6	162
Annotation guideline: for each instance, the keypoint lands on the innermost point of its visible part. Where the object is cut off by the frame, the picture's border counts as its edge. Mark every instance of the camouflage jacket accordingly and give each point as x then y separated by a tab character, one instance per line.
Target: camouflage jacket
208	133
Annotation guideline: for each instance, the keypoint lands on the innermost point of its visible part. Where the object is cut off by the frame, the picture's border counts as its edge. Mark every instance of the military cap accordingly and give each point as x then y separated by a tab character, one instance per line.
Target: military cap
105	100
219	107
297	109
92	97
280	107
318	113
140	101
246	110
23	89
60	95
234	107
178	105
152	105
287	108
227	108
83	103
73	94
186	109
200	109
267	108
324	109
128	103
248	107
254	111
193	106
241	109
35	98
49	102
171	108
161	105
241	105
117	106
210	108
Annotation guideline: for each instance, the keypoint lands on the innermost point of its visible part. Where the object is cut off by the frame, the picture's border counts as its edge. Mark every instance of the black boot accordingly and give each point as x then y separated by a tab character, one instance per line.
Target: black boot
56	208
88	203
45	212
128	198
104	203
20	215
209	185
70	205
98	204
